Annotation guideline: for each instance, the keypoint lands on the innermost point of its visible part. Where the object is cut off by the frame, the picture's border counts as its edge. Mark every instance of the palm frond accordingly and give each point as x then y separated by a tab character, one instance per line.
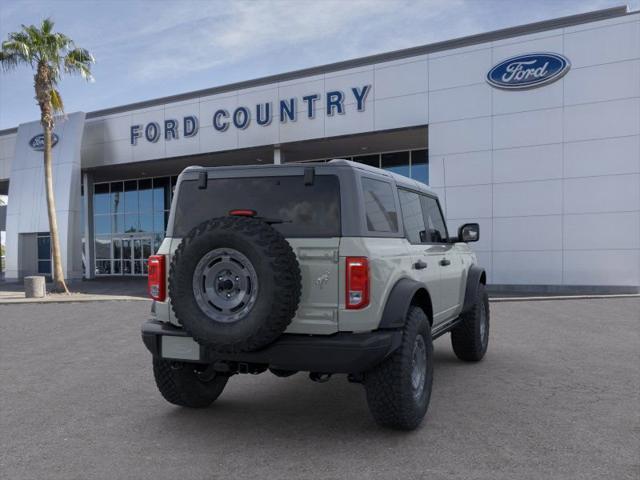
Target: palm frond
63	42
56	101
19	47
34	34
47	26
9	61
79	61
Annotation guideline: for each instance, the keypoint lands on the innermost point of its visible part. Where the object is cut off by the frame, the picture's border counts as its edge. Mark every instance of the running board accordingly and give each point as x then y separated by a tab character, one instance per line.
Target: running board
444	327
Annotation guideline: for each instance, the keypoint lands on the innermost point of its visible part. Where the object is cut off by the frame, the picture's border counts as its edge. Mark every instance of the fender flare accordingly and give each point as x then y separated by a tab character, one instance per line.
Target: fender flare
475	277
398	303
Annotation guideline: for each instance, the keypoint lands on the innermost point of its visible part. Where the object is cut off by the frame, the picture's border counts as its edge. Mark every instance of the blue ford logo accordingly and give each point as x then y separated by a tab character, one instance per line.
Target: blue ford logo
528	71
37	142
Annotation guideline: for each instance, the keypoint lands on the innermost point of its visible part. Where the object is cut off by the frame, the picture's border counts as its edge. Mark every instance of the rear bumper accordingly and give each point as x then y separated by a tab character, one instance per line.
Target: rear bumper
338	353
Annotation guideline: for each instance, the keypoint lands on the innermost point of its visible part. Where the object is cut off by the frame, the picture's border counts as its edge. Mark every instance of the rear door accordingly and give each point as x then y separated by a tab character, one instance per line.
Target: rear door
426	257
451	267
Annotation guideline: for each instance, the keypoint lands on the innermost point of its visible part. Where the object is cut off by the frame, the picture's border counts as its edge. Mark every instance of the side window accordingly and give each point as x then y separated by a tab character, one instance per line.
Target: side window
380	207
436	229
412	216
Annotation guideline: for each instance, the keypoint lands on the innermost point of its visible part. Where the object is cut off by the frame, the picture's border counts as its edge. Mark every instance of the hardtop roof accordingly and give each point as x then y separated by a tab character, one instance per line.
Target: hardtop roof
400	180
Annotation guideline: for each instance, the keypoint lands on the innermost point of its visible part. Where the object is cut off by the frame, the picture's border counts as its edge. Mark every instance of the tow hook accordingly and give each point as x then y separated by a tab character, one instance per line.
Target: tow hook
319	377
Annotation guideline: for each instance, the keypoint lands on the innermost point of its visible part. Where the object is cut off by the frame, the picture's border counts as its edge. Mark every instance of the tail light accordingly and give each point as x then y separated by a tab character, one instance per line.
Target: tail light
242	212
357	284
157	278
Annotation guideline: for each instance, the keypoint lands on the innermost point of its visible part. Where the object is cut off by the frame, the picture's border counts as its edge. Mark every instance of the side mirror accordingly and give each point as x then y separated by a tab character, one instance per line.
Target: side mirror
469	232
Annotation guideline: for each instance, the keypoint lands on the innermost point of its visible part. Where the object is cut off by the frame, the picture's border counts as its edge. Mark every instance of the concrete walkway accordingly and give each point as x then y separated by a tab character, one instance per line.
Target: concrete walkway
103	289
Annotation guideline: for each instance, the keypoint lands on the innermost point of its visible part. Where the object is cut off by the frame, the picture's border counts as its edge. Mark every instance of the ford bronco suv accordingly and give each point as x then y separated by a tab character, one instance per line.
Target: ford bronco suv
327	268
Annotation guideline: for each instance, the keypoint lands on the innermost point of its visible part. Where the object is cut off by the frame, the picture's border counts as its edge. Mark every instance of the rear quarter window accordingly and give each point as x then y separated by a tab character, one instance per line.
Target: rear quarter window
305	210
380	206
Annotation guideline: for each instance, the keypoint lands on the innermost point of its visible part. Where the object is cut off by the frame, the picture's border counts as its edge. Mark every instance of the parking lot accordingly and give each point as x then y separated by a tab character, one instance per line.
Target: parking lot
558	396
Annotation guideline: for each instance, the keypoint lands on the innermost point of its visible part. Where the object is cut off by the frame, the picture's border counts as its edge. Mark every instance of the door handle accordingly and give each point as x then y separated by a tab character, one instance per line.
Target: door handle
420	265
444	262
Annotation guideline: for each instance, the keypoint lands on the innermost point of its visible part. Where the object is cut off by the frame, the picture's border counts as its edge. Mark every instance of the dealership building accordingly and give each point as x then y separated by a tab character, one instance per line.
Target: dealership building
531	131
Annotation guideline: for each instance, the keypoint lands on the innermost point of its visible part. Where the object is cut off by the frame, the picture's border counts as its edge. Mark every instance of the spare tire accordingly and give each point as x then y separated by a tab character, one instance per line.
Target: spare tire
234	284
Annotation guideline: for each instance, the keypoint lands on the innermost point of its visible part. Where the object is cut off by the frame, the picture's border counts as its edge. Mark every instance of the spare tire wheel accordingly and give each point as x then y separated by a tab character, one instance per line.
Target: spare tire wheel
234	284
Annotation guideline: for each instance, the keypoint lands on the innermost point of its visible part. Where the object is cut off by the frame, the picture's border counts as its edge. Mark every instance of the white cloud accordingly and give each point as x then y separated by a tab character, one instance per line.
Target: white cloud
185	39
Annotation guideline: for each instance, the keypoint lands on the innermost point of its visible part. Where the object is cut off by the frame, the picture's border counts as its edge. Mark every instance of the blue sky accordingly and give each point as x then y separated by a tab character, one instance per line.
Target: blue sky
149	49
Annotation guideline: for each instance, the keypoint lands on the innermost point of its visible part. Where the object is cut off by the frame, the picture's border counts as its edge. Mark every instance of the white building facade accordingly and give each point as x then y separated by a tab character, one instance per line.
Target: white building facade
532	131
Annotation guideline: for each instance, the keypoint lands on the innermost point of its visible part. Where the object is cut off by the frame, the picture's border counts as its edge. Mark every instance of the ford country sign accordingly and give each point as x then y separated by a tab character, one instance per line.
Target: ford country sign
37	142
528	71
284	110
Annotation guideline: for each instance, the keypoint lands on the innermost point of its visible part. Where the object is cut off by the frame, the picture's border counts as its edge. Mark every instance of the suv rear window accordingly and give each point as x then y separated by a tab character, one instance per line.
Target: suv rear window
306	210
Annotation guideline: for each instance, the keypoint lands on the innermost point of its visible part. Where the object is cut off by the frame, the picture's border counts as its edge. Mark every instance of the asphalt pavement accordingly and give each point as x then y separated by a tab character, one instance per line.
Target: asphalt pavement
557	397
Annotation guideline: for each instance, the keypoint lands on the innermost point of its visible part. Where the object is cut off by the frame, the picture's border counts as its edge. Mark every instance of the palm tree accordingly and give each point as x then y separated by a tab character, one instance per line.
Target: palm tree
49	54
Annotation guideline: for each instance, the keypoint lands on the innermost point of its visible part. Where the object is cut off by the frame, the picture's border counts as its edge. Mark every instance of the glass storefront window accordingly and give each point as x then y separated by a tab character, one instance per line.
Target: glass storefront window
146	222
116	198
103	267
131	203
129	215
145	195
161	196
103	247
44	266
372	160
420	165
117	223
396	162
102	224
414	163
44	246
44	253
131	223
117	248
158	222
101	198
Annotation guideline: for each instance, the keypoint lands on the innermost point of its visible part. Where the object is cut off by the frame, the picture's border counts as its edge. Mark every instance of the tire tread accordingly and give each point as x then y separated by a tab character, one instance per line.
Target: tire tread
182	387
465	337
389	395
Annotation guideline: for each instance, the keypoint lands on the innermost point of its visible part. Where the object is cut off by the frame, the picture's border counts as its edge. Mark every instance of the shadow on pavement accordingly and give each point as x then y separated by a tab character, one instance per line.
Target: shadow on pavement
290	408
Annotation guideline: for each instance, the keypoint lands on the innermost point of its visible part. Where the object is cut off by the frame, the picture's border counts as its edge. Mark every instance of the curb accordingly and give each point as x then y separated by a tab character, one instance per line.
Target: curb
21	301
561	297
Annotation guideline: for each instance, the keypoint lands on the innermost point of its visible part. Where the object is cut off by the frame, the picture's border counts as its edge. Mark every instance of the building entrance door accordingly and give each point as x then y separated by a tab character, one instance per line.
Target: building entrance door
130	255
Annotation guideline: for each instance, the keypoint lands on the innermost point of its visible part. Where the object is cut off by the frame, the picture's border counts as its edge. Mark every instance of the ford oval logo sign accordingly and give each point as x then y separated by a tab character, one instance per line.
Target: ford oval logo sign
37	142
528	71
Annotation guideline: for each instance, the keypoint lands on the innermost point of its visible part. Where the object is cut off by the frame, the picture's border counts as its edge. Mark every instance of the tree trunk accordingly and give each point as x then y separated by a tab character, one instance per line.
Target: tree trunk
43	85
59	284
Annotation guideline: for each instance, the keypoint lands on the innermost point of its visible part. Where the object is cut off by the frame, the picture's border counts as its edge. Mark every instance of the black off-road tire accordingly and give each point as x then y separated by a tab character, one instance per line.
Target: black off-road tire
469	339
279	283
180	384
390	394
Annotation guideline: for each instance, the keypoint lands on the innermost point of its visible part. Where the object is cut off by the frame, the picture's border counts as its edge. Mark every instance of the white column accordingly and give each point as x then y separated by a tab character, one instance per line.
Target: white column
277	155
